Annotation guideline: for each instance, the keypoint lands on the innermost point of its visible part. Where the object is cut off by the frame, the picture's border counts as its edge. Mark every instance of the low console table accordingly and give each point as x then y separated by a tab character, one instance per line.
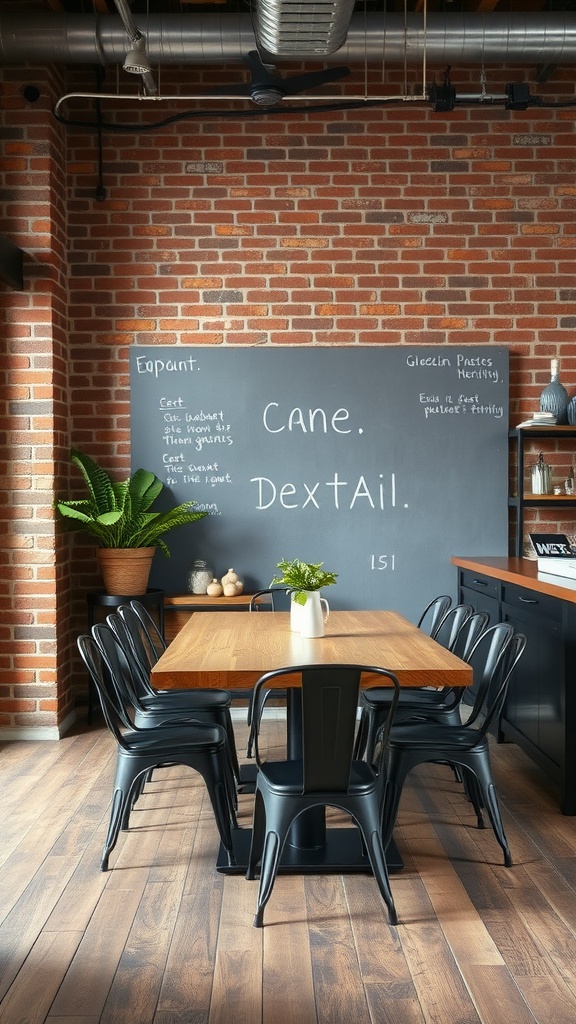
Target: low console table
540	711
179	607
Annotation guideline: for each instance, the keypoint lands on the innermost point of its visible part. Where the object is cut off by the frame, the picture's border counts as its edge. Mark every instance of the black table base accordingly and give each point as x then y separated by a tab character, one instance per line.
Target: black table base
341	854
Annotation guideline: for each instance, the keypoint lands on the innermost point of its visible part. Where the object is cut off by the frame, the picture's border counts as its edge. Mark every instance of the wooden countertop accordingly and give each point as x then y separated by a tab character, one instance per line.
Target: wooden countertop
521	571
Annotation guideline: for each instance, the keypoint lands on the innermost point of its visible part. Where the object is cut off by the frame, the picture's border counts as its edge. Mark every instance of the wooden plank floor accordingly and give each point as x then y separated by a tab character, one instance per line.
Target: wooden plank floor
162	938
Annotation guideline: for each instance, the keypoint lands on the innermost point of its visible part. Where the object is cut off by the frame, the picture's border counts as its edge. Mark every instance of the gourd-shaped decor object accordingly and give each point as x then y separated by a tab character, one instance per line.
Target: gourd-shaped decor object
229	577
571	412
214	589
232	584
554	397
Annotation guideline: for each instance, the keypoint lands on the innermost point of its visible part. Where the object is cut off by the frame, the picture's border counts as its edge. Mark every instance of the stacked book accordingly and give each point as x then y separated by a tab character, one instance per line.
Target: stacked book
554	554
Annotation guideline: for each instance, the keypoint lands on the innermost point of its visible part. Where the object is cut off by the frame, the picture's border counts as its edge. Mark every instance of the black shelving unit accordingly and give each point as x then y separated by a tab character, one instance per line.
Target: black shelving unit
521	499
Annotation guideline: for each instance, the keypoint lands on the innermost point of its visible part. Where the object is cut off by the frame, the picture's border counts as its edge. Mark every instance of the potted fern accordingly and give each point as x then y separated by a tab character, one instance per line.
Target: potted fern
308	611
116	515
302	578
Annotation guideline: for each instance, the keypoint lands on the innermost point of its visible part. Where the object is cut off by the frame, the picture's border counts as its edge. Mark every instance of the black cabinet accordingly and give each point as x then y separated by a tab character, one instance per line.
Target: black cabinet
535	705
540	712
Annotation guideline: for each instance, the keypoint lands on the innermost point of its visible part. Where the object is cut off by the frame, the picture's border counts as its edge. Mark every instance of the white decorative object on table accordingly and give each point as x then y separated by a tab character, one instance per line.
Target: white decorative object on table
313	614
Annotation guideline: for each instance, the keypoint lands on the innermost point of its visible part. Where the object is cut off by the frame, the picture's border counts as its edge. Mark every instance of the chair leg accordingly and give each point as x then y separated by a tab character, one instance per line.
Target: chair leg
258	832
120	804
473	794
268	872
229	727
490	799
400	763
213	770
377	859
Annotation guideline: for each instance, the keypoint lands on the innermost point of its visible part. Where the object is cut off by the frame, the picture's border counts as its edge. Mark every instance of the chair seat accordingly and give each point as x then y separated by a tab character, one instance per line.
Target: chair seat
180	737
287	778
377	696
436	737
207	699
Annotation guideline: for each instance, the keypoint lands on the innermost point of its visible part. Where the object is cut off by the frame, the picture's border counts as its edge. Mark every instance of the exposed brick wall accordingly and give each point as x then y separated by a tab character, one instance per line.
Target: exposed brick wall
35	685
375	226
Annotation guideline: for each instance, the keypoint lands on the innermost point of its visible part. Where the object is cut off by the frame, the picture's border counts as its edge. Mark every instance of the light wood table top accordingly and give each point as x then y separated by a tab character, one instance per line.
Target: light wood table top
231	651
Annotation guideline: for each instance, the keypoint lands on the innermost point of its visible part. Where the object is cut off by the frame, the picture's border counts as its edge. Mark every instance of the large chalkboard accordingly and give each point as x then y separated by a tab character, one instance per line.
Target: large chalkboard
379	461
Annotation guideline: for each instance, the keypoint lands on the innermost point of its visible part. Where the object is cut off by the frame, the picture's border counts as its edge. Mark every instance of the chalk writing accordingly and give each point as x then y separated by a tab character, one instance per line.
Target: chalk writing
341	494
308	421
366	457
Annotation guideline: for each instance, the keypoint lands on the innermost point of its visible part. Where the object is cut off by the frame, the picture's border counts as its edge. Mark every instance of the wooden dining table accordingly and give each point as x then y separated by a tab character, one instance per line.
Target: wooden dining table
231	651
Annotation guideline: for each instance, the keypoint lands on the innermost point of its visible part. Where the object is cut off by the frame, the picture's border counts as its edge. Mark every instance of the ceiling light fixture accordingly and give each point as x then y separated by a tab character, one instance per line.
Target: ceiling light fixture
137	61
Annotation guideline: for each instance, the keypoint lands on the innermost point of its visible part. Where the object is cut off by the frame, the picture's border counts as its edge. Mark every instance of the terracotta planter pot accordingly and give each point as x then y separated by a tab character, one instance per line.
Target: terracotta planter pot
125	570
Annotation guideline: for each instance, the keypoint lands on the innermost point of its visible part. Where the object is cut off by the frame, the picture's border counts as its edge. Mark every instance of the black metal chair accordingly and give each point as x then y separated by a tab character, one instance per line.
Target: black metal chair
460	629
141	642
201	746
147	636
433	614
326	775
279	596
448	629
162	708
464	745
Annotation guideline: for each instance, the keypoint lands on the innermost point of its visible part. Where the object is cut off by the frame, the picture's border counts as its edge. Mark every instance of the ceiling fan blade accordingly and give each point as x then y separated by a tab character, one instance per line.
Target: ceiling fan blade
260	73
312	79
267	89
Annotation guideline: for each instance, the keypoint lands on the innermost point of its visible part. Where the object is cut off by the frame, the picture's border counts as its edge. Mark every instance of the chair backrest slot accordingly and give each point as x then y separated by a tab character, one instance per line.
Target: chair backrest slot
329	703
329	719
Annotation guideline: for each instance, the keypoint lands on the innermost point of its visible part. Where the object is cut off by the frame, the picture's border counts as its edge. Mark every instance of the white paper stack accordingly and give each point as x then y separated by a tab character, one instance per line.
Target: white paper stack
558	566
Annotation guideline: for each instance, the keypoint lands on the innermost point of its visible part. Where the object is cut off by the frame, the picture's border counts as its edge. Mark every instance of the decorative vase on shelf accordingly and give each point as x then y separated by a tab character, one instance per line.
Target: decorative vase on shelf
571	412
200	577
541	477
554	397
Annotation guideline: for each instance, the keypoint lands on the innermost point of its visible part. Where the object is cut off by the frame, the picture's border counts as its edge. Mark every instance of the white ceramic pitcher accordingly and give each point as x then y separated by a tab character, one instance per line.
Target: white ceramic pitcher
308	619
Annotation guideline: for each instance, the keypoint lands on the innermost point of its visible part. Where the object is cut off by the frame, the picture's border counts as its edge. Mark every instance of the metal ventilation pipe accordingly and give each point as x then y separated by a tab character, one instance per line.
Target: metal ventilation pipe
310	27
215	39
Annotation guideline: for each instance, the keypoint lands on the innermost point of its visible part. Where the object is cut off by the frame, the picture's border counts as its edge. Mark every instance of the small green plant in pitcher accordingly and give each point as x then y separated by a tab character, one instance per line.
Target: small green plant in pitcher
302	577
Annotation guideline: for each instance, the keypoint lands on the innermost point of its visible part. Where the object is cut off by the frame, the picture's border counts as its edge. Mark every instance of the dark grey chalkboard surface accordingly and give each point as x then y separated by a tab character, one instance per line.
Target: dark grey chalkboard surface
379	461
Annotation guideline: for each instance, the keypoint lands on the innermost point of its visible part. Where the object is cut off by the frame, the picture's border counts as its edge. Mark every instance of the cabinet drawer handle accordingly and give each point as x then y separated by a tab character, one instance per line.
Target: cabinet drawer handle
482	583
527	600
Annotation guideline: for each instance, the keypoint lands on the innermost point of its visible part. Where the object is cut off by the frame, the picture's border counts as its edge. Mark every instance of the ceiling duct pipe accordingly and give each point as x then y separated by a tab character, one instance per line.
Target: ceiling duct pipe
214	39
313	27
